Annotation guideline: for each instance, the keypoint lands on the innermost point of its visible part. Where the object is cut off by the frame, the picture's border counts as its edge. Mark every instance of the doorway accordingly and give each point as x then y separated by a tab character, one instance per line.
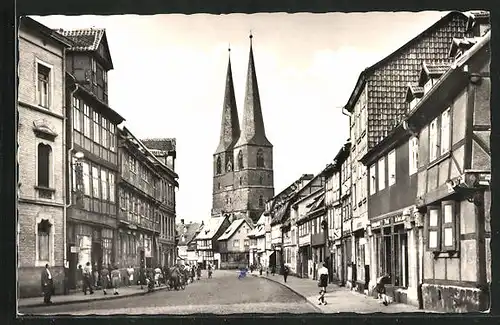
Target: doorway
73	265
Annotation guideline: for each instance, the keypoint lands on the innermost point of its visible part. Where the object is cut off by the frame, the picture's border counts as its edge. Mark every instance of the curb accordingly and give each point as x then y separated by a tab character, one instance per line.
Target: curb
293	290
98	298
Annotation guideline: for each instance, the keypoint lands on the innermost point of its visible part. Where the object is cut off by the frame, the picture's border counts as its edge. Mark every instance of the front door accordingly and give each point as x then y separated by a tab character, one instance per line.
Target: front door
72	261
97	255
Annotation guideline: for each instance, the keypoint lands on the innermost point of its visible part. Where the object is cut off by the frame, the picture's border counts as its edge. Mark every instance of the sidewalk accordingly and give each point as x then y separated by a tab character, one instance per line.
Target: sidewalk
77	297
339	299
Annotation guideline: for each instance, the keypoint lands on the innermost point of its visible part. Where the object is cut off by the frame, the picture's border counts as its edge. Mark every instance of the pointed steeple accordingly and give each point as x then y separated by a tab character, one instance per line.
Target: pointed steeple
230	125
253	131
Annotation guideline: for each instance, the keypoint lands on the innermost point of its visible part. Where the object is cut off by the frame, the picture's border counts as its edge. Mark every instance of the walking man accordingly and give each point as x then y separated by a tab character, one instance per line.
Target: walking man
286	271
87	279
322	283
105	278
47	284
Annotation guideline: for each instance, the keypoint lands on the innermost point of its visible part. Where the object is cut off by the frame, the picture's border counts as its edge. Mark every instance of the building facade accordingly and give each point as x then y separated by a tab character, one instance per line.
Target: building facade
207	245
164	149
234	245
452	121
146	192
376	104
186	233
41	156
243	161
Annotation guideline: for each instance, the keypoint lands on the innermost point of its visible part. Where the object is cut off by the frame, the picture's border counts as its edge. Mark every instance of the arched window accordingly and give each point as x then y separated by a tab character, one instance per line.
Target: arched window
261	180
219	166
44	152
229	166
241	181
261	201
44	241
218	186
260	158
240	160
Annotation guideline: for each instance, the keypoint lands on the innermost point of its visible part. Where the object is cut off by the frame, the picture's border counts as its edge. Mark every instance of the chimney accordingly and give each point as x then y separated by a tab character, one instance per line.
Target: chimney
182	221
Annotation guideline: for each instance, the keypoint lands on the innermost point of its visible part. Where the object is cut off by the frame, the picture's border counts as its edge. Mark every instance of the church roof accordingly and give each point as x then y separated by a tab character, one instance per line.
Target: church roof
230	125
252	130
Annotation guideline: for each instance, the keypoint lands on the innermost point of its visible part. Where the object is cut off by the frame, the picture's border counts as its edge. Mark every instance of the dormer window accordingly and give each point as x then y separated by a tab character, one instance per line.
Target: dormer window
428	85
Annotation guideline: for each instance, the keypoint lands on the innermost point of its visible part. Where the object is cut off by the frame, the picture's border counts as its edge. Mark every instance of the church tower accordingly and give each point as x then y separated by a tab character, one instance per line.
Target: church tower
253	177
223	159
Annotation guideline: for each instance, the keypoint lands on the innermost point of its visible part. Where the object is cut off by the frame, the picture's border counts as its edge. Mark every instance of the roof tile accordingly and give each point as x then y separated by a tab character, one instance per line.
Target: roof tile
87	39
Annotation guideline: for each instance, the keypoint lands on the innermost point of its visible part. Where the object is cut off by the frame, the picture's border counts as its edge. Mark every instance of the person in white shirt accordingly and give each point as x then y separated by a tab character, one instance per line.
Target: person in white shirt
322	283
130	272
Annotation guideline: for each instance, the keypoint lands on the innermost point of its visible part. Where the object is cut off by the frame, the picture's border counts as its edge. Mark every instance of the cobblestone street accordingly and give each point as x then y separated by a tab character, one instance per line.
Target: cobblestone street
223	294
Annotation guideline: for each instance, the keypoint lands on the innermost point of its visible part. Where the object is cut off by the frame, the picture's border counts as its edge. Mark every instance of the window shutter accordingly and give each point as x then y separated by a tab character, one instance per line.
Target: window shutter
433	230
449	228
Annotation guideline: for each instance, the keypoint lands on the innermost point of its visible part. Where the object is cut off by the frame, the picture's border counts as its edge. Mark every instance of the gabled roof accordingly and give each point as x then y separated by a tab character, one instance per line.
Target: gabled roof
192	229
388	79
432	71
231	230
414	92
211	227
161	144
44	30
258	231
280	213
87	40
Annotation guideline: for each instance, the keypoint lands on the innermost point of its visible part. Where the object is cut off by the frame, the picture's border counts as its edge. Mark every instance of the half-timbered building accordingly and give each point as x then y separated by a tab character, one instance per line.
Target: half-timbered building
452	122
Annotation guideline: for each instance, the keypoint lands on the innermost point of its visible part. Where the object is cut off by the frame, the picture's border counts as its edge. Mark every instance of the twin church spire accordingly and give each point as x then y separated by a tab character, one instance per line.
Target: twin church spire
252	129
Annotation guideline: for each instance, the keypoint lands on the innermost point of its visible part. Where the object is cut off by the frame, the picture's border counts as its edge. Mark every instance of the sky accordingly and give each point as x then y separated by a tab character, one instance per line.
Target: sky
169	79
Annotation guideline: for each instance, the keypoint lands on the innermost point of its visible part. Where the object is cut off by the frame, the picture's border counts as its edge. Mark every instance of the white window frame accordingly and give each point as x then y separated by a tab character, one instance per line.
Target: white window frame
381	173
391	168
51	83
413	155
433	140
40	217
445	138
373	179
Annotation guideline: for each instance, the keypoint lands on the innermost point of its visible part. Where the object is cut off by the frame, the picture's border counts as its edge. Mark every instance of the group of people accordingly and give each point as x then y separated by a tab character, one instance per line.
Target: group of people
108	278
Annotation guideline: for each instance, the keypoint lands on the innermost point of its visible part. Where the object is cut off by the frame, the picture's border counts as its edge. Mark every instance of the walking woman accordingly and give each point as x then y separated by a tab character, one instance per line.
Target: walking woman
322	283
115	280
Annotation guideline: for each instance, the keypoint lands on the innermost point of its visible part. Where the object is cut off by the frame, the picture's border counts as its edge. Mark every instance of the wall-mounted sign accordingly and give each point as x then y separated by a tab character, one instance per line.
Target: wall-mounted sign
75	249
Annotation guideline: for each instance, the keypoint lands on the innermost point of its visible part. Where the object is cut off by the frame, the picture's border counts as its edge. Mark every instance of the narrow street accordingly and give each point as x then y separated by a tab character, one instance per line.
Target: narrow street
223	294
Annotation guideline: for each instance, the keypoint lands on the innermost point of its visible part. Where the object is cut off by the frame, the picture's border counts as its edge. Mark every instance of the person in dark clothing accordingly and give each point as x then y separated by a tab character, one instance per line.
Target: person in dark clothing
286	271
47	284
87	279
380	288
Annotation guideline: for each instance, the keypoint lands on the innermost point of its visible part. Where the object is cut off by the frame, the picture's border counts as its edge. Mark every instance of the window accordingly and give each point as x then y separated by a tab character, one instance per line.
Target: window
44	163
261	201
105	132
86	178
95	183
43	85
449	226
240	160
236	243
76	115
104	185
229	166
43	236
112	137
445	131
260	158
391	167
241	181
433	140
94	71
219	166
97	129
434	235
261	180
111	187
86	120
381	174
373	180
246	243
413	155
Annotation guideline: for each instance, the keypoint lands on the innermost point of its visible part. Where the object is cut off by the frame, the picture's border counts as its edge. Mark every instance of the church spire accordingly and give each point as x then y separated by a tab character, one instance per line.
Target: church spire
230	125
253	131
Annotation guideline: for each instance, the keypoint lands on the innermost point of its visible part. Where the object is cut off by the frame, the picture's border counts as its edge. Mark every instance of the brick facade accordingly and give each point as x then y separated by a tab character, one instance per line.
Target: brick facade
38	125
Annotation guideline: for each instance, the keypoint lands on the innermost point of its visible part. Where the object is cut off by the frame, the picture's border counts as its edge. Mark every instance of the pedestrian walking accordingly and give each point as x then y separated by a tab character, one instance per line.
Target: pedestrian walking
79	277
286	271
47	285
380	288
105	278
210	268
115	280
130	273
96	276
322	283
87	279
